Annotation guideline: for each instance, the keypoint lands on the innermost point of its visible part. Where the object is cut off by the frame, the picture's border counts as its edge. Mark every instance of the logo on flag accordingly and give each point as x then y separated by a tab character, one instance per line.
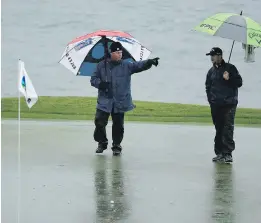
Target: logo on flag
23	82
26	87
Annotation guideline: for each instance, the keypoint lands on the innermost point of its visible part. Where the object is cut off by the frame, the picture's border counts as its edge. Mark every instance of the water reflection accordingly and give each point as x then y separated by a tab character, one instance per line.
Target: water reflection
223	198
111	203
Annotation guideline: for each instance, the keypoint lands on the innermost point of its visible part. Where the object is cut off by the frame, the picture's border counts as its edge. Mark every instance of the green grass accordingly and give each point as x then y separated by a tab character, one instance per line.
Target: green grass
83	108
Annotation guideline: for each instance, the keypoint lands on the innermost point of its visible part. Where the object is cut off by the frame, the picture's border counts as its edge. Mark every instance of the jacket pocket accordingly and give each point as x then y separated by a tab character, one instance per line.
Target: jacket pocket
102	100
124	102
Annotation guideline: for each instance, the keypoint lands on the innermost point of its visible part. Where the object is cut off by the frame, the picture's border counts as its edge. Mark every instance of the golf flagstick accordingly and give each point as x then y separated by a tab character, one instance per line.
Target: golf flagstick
25	87
19	147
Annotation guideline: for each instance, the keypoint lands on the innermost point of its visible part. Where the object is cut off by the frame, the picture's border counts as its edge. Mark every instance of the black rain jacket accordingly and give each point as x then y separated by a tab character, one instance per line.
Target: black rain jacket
220	91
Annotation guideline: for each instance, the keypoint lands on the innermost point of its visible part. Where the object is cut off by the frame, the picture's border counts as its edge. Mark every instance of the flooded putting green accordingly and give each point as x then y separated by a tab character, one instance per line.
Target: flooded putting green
164	174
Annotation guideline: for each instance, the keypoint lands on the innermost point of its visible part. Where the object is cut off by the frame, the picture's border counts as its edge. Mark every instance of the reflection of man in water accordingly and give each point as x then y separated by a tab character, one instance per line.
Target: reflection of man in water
223	210
110	194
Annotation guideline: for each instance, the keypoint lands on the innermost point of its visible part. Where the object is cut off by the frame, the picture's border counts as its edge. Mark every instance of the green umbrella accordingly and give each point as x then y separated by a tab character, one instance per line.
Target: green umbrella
232	26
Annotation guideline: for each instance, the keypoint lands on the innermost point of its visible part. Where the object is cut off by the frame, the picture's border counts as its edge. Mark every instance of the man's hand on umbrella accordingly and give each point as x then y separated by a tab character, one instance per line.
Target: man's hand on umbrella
104	85
154	61
226	75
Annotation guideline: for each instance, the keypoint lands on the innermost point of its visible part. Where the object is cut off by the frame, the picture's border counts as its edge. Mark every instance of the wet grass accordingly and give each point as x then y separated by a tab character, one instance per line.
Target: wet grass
83	108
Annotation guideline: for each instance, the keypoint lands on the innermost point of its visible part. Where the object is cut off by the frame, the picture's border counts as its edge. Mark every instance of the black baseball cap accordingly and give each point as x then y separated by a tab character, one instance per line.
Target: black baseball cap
215	51
115	46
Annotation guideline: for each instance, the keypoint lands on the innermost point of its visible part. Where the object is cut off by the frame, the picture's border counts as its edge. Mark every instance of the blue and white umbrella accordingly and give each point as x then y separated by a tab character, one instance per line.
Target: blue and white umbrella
83	53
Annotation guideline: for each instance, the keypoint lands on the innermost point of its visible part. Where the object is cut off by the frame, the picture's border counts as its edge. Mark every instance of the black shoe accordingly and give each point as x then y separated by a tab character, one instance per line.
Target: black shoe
218	158
116	149
228	158
101	147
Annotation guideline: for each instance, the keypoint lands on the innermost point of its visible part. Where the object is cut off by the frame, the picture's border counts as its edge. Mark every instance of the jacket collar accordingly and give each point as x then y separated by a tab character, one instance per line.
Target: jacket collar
114	63
223	63
109	60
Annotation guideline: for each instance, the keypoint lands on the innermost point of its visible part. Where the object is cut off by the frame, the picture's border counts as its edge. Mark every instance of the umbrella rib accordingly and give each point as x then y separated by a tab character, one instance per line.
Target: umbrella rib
65	54
234	24
71	50
94	44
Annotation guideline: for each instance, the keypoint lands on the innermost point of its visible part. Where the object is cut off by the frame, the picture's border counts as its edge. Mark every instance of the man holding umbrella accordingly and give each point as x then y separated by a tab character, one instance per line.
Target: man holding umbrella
113	80
222	83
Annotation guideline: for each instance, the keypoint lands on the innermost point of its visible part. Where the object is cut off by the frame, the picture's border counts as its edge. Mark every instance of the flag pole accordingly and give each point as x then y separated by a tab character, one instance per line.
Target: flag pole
19	147
25	87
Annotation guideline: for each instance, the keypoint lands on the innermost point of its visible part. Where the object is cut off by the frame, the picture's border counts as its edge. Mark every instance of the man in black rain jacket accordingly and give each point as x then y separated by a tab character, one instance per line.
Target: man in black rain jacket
222	83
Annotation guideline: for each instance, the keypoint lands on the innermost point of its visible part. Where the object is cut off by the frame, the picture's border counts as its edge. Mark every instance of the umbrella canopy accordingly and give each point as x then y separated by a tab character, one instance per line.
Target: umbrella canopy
232	26
83	53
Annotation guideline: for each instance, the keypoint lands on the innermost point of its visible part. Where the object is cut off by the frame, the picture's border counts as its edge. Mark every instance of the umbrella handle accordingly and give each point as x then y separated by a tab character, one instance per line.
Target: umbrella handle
233	43
105	45
231	50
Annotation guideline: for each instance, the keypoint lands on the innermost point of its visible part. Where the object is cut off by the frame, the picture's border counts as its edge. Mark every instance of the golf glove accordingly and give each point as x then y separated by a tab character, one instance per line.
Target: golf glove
104	85
154	61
